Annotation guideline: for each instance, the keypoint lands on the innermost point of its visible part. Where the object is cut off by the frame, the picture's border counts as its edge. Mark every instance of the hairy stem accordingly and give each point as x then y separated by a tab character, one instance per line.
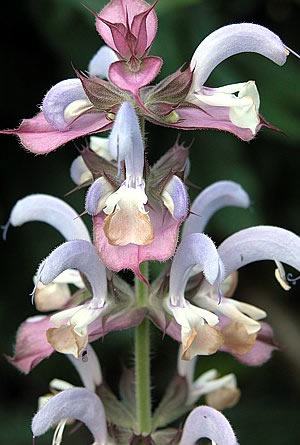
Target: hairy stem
142	361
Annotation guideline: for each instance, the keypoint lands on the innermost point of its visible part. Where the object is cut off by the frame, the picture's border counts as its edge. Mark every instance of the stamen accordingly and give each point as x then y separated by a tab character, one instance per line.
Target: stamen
5	228
118	158
292	52
291	279
220	295
32	294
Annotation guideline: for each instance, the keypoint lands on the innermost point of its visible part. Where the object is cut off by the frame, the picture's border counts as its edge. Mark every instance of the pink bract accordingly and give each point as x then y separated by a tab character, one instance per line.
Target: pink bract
38	136
131	256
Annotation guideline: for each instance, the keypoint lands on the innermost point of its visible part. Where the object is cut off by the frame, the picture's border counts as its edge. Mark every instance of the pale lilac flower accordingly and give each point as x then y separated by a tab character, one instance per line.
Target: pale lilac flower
85	405
218	268
56	273
89	370
139	220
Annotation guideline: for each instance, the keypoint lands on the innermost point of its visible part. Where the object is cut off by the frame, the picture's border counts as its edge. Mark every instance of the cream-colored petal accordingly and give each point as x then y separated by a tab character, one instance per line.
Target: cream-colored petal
51	297
100	146
243	108
229	285
237	339
76	108
59	385
65	340
281	276
124	227
204	341
223	398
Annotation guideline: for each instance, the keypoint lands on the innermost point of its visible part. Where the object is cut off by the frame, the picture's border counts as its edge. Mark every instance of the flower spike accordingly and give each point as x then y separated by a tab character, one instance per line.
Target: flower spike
77	403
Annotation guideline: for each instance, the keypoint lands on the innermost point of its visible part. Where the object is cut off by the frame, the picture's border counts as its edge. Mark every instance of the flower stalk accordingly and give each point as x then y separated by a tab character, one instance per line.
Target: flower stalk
142	361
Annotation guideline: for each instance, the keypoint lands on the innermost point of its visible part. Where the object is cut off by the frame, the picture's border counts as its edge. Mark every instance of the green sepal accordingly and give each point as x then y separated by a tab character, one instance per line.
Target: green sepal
173	404
116	412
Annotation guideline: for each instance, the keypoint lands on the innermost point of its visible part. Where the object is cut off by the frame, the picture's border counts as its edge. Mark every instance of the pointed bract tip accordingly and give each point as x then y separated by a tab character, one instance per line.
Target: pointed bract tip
5	228
138	273
289	50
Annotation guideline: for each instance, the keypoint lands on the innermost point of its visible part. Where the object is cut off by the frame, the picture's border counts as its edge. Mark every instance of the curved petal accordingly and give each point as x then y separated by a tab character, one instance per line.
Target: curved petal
210	200
97	195
50	210
58	98
234	39
205	422
175	198
38	136
131	256
100	63
31	344
88	367
196	249
77	254
78	403
260	243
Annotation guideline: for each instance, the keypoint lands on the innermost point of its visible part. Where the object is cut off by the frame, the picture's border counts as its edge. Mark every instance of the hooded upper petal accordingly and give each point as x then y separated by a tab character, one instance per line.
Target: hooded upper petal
51	210
65	101
234	39
198	250
210	200
260	243
81	255
207	423
78	403
101	61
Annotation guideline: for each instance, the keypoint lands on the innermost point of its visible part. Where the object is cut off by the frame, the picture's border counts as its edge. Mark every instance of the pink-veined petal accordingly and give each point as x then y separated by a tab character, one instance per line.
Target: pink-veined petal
31	344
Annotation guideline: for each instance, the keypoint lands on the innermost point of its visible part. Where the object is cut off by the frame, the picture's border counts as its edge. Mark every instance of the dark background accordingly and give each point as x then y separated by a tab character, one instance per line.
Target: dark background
39	40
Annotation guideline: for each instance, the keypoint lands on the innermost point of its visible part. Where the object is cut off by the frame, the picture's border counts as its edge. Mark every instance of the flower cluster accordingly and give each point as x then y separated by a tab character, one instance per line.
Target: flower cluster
137	211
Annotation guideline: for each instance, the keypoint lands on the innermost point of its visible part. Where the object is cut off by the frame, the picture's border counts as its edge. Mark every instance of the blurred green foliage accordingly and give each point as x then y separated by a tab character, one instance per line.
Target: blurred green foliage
40	42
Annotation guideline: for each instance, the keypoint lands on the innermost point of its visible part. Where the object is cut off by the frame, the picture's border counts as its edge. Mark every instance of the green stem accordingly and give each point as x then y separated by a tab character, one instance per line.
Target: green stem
142	361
